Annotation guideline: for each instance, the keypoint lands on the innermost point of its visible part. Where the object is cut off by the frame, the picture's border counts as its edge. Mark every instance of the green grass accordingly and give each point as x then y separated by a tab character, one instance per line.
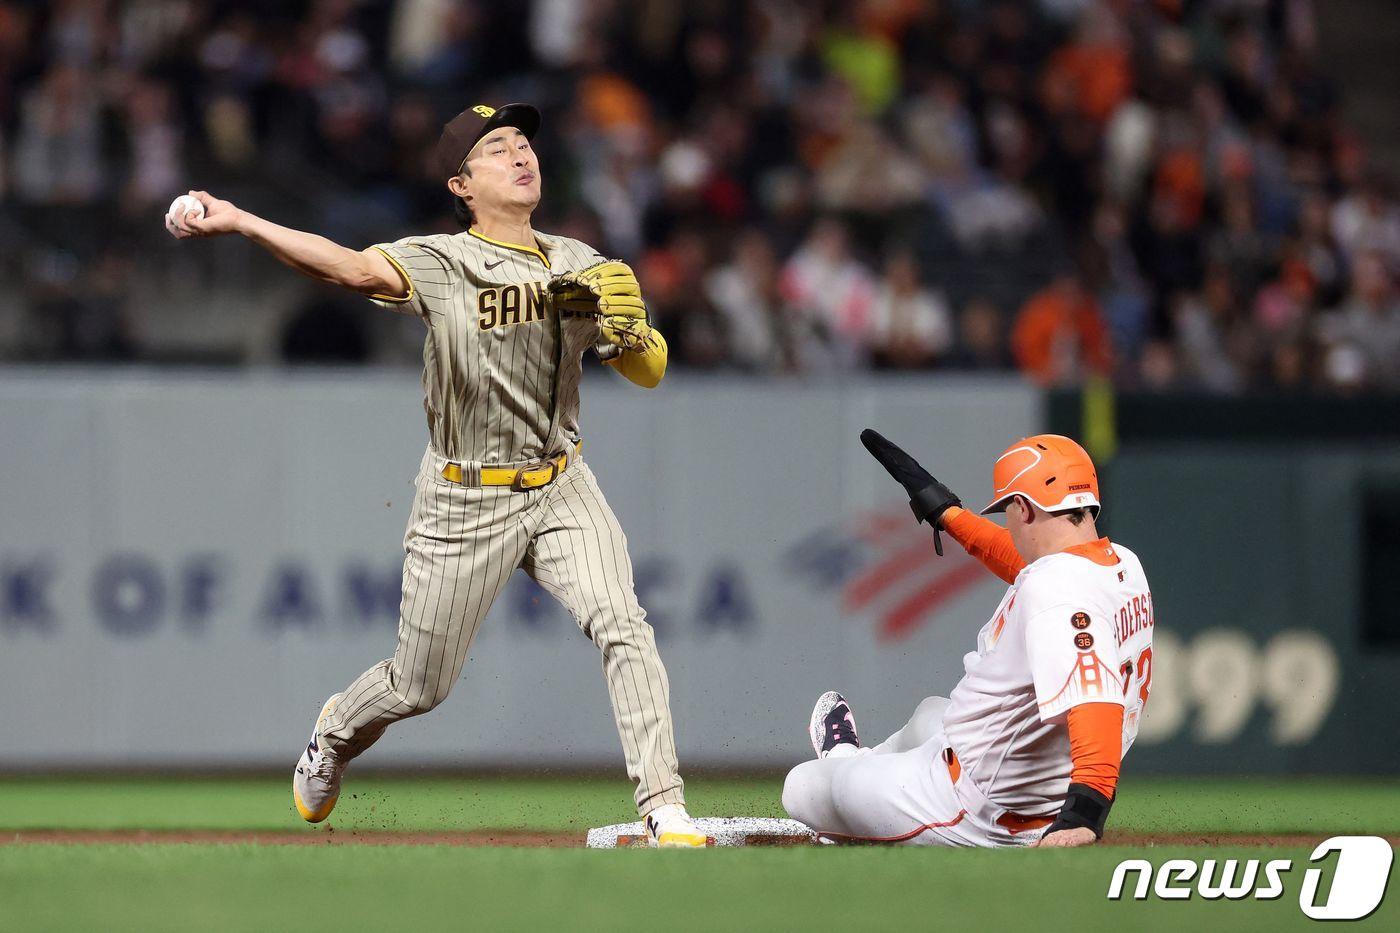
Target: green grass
367	803
404	888
544	803
245	887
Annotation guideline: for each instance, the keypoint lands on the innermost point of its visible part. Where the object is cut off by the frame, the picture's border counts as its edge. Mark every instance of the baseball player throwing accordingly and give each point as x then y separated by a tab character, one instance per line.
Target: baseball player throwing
509	315
1027	748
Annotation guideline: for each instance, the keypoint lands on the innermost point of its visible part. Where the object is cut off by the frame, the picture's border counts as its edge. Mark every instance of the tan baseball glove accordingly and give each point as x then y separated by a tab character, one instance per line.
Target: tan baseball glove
607	289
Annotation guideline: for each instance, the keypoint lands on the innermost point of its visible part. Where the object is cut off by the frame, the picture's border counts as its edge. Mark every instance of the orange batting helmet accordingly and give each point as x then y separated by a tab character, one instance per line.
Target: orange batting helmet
1050	470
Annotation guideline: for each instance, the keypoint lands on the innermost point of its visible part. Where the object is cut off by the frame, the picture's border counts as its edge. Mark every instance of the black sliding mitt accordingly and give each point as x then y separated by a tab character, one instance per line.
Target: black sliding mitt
928	498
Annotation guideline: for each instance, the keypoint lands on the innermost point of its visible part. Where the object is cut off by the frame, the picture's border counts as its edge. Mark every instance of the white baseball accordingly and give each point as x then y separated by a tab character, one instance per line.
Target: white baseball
179	207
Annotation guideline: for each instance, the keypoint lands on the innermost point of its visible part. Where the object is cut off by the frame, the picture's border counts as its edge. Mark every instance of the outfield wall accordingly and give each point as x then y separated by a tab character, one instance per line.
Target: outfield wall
190	563
1270	529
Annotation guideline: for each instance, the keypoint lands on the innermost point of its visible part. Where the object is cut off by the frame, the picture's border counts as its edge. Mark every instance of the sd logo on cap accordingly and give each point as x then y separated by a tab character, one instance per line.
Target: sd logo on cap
467	129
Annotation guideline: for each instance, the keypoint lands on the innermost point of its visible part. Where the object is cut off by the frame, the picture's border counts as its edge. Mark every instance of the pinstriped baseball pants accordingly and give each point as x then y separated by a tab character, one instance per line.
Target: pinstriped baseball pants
462	545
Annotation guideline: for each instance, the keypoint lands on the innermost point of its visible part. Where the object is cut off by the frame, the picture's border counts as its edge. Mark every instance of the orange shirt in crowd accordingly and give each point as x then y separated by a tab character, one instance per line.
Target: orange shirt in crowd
1101	77
1060	335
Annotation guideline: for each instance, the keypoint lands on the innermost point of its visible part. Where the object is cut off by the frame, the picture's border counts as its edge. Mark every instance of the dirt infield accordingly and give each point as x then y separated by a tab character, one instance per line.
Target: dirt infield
528	839
513	838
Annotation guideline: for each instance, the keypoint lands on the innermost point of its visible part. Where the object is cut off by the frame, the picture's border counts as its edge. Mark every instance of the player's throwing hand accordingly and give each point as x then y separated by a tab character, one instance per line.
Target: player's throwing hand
186	219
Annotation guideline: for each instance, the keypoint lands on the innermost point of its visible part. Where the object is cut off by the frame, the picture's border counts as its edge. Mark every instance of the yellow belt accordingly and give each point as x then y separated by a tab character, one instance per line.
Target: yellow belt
517	478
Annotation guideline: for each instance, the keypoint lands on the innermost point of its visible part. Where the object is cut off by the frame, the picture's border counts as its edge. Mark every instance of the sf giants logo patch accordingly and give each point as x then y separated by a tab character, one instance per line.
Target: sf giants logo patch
510	304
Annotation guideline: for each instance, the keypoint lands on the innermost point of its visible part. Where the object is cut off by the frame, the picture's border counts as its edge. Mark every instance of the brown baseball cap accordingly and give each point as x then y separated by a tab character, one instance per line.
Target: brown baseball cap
466	129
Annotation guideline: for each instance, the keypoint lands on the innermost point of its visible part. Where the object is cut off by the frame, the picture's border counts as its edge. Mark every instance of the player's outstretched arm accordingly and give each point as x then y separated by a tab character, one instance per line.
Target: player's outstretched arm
368	272
936	504
985	540
927	496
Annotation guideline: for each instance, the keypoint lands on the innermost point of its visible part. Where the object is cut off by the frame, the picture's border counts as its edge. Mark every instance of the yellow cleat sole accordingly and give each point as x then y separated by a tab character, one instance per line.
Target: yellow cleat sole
310	815
682	841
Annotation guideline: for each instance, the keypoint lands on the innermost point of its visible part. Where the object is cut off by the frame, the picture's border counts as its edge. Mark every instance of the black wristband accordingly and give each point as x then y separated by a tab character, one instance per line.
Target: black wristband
929	504
1084	806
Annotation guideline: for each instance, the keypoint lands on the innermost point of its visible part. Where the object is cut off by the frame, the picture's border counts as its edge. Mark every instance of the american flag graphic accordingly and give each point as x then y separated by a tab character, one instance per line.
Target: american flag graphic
884	564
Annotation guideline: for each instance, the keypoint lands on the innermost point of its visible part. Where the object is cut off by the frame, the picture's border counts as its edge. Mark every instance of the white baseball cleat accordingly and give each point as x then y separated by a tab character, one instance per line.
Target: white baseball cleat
832	724
670	827
316	780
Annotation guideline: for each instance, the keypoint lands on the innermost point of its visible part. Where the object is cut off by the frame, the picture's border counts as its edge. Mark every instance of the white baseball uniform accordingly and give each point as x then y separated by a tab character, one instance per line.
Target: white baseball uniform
990	765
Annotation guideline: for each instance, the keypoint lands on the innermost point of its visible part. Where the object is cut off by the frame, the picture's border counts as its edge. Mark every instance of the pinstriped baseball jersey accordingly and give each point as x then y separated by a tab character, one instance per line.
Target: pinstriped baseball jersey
501	386
500	368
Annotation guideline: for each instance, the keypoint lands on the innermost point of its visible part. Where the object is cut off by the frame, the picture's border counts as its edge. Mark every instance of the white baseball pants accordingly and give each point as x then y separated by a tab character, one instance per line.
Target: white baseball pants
898	792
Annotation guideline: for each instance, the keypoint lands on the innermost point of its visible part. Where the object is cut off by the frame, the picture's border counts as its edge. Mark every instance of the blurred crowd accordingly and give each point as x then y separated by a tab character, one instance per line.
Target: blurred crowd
1161	192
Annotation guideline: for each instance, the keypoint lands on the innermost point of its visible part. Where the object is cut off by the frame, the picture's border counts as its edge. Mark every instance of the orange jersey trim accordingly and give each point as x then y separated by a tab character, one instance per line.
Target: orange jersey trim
1096	745
991	544
985	540
1100	552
